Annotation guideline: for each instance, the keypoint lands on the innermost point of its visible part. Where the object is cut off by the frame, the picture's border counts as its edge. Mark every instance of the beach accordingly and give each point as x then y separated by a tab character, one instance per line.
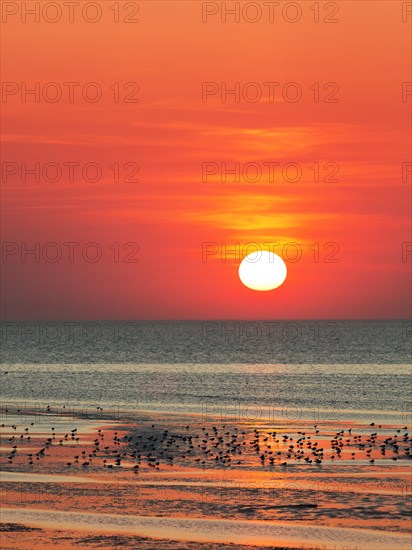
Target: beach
84	483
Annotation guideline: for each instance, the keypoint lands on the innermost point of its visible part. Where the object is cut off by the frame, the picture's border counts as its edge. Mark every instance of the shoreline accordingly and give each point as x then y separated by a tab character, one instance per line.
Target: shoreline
174	476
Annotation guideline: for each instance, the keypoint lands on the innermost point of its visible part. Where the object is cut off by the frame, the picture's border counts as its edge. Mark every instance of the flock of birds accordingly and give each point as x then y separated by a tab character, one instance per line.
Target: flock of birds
217	446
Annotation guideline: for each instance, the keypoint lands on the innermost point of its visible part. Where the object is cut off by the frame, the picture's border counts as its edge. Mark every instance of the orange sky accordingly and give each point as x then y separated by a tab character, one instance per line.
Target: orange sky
171	131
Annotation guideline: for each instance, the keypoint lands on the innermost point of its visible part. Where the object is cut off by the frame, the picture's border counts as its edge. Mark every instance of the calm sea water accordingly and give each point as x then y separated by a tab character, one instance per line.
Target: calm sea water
320	371
222	342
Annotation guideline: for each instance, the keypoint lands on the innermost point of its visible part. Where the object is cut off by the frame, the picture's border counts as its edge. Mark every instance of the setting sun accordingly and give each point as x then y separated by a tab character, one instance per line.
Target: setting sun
262	270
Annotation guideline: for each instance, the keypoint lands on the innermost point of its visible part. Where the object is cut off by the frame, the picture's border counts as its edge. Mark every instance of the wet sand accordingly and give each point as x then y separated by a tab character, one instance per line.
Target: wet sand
184	482
32	537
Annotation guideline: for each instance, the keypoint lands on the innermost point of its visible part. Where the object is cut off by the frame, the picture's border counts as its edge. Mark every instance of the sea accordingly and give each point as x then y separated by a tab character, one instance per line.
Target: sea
257	371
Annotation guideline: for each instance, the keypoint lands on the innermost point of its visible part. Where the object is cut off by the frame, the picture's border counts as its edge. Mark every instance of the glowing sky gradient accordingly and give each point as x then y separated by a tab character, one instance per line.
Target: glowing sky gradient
170	132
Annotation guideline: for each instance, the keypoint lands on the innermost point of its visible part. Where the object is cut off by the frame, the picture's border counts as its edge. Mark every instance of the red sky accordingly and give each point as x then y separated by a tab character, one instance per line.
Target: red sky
172	131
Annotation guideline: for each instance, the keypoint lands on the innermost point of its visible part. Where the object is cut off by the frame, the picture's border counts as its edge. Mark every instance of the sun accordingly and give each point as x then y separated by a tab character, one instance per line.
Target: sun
262	270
